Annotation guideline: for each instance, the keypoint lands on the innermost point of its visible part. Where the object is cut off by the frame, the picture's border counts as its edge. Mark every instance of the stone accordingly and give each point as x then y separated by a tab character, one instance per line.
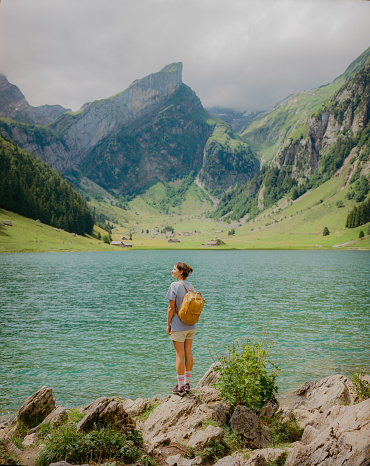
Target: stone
36	407
220	411
228	461
8	223
340	436
328	392
179	460
269	454
134	408
175	419
210	377
257	460
269	408
29	439
246	423
55	418
202	438
304	417
60	463
105	411
208	394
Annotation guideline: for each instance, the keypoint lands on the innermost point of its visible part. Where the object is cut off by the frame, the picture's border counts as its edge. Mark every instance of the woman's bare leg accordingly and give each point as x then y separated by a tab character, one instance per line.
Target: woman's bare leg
180	357
188	355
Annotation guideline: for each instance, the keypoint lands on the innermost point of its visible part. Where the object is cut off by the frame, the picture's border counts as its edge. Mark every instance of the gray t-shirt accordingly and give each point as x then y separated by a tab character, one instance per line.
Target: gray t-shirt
176	292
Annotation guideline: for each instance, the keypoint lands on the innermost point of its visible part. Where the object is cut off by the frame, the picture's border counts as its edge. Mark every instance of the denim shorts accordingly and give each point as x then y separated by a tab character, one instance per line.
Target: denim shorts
182	336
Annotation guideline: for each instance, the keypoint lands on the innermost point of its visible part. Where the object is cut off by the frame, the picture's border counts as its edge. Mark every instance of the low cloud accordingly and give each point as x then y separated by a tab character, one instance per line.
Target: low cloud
243	54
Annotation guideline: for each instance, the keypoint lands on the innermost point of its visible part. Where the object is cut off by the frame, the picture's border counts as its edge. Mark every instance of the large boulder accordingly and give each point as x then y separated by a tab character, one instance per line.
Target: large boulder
341	435
103	412
202	438
324	394
36	407
246	423
175	420
55	418
135	407
268	454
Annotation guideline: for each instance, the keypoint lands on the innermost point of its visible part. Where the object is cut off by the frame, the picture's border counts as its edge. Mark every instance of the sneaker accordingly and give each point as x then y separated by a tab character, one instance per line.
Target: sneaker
187	387
178	391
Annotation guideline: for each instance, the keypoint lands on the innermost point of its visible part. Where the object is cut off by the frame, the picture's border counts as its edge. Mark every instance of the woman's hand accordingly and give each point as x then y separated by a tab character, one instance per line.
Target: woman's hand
170	314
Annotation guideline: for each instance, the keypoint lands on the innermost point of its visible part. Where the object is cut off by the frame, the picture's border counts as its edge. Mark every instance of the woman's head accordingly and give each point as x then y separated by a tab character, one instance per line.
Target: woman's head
183	268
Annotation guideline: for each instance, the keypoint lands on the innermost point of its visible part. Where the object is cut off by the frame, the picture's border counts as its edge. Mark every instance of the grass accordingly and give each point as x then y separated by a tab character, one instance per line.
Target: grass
287	225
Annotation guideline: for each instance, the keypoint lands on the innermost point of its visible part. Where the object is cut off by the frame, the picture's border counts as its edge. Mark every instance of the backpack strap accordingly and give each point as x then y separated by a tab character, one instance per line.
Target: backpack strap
192	288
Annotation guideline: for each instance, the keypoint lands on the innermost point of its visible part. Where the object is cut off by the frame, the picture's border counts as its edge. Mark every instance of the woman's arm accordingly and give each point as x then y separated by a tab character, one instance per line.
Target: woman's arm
170	314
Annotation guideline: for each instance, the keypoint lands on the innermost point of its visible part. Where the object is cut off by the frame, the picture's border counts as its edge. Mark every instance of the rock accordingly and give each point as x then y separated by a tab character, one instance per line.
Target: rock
328	392
178	460
105	411
340	436
269	454
29	439
269	408
257	460
220	411
207	394
175	419
210	377
228	461
286	414
303	417
60	463
134	408
245	422
8	223
55	418
36	407
202	438
303	389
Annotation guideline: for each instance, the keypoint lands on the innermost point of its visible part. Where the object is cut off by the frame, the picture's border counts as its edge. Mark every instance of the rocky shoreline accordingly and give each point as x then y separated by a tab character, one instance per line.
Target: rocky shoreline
335	427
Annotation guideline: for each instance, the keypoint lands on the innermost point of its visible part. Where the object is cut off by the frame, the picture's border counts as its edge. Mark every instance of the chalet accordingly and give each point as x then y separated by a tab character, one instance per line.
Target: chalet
117	243
212	242
174	240
127	244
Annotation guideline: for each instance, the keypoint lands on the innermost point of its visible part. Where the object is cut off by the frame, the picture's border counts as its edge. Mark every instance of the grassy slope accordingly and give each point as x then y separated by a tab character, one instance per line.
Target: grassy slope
26	235
290	225
267	132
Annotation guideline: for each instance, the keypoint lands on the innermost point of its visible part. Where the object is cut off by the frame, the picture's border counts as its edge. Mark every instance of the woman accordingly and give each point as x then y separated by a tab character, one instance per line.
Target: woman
181	334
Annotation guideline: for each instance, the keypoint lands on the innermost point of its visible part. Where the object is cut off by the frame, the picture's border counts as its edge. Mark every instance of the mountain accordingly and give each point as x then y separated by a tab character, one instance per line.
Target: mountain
269	131
14	105
306	140
156	129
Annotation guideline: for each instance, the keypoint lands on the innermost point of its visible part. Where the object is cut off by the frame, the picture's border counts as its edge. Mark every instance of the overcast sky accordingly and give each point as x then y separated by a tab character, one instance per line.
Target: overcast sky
243	54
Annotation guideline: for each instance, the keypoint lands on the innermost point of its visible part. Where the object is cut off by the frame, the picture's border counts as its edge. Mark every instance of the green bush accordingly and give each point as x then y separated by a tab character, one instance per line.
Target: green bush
244	379
361	234
283	433
326	232
361	386
66	444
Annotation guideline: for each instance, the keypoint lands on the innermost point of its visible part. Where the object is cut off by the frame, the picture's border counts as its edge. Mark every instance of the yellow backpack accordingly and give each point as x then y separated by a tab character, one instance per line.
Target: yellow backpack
191	307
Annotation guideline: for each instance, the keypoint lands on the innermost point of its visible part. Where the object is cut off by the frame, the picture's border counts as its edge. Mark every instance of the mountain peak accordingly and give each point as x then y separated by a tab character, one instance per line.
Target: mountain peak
172	67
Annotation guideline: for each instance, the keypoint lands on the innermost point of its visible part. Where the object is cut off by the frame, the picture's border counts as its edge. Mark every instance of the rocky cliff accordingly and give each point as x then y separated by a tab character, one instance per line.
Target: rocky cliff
340	121
14	105
156	129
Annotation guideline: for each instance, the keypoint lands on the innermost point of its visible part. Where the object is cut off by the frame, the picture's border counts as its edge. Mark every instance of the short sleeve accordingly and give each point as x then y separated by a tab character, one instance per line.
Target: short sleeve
172	292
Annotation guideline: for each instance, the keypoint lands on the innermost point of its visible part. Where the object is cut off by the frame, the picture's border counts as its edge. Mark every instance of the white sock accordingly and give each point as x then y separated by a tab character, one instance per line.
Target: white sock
187	377
180	381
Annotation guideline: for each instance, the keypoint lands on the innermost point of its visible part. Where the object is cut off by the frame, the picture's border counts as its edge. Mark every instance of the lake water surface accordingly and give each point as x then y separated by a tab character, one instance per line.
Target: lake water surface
94	324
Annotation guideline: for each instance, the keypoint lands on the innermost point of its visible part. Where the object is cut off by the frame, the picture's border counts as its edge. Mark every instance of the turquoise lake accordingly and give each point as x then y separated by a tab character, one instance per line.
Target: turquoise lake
94	324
